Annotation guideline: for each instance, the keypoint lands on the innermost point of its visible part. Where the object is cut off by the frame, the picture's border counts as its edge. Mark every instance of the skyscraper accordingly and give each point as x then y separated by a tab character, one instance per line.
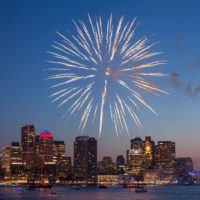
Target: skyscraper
149	152
28	145
45	167
136	158
46	146
85	159
5	162
16	163
58	150
38	159
165	158
59	157
69	170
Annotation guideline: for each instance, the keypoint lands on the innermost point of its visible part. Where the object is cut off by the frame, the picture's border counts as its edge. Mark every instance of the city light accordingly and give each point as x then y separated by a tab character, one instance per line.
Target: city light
41	161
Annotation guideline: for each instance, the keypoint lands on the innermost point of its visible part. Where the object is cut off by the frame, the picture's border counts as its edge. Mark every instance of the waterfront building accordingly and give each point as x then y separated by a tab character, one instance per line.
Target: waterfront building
165	158
152	176
49	172
28	146
136	158
85	159
107	179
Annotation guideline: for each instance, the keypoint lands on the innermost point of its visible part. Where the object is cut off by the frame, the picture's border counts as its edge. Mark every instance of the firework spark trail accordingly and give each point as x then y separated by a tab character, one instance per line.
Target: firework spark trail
85	115
116	37
102	107
76	104
103	66
62	95
95	112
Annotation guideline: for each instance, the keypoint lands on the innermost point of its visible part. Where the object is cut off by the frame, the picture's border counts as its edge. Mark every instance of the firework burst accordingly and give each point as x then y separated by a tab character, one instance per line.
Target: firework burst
103	68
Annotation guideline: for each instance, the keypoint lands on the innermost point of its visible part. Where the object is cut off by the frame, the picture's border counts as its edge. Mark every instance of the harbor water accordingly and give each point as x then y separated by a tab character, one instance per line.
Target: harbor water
110	193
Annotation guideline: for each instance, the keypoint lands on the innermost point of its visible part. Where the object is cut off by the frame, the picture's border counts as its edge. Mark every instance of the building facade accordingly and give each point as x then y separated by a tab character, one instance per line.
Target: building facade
184	166
28	146
149	153
165	158
5	162
85	160
16	164
120	160
136	158
46	146
59	157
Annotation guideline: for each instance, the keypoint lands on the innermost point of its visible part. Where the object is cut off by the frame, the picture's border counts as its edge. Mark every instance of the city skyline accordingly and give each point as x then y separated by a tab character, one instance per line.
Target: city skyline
28	29
42	161
29	136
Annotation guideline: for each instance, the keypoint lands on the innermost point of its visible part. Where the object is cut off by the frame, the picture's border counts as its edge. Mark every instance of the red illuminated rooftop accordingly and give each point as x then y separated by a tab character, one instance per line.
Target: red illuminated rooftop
46	134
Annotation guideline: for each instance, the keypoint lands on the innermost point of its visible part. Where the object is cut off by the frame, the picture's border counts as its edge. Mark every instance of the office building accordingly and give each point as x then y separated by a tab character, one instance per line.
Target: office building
106	166
136	158
165	158
5	162
16	164
149	153
85	160
28	146
46	146
59	157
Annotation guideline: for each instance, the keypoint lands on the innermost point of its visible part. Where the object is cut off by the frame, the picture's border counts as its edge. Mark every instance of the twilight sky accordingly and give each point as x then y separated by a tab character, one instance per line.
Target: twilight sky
27	29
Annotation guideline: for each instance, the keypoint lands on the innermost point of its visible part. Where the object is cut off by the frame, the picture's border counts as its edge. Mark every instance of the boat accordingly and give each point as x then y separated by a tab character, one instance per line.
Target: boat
20	190
140	190
102	186
83	185
75	187
53	192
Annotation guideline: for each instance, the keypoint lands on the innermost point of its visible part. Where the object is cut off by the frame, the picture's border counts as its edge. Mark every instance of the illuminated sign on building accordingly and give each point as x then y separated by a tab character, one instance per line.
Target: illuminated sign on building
46	134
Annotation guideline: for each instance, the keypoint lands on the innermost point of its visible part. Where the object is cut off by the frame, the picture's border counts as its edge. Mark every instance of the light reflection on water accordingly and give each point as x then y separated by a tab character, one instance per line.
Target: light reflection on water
115	193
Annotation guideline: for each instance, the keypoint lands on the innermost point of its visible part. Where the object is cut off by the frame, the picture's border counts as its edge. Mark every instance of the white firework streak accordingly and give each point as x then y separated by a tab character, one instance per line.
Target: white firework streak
77	103
102	107
102	69
95	112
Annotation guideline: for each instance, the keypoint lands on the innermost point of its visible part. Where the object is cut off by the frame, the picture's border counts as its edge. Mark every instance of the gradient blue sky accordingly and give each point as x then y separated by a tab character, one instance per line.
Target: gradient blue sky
27	29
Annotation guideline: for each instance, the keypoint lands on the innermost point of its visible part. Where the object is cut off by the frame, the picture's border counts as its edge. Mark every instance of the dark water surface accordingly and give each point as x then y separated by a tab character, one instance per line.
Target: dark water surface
111	193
